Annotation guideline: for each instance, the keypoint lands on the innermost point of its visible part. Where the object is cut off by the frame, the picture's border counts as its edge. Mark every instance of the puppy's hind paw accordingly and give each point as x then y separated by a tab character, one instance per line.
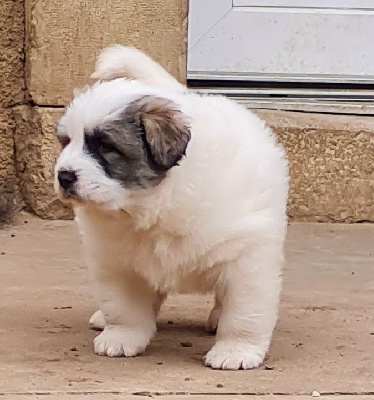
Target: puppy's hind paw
97	321
234	356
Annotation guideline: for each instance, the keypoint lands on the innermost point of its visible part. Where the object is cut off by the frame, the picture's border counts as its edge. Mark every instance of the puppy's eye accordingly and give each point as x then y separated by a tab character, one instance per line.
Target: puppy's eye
64	140
106	147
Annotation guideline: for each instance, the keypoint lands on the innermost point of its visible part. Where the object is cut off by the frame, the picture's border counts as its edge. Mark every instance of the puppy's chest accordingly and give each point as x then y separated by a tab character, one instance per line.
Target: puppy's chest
167	261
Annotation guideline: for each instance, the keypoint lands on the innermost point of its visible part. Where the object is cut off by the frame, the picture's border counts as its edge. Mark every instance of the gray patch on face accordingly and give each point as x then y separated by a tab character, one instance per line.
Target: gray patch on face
138	148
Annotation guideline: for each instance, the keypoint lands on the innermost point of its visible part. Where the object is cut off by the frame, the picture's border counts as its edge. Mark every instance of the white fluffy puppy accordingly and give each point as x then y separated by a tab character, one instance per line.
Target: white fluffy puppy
174	192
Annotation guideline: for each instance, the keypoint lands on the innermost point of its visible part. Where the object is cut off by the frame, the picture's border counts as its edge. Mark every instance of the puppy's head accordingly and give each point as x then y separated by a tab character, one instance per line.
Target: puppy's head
118	146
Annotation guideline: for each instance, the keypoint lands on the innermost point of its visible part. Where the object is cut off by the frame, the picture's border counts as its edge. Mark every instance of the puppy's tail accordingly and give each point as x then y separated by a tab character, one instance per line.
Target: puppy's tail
127	62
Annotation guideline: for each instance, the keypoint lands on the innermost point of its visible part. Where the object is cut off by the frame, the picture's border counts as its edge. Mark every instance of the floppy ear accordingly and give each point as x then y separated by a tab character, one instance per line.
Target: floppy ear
166	131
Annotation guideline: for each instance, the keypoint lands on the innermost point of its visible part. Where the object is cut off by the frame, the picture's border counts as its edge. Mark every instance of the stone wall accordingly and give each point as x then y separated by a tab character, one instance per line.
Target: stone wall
11	93
331	159
63	40
331	156
37	149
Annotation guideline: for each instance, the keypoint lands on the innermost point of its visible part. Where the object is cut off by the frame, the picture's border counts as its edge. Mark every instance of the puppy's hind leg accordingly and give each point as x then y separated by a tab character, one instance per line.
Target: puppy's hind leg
249	308
97	321
212	323
158	301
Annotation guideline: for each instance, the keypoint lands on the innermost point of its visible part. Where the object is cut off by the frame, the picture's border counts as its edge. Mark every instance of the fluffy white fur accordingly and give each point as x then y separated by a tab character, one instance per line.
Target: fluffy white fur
118	62
217	222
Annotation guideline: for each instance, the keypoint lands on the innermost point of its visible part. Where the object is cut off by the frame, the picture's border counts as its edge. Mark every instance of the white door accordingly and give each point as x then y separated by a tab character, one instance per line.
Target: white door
310	41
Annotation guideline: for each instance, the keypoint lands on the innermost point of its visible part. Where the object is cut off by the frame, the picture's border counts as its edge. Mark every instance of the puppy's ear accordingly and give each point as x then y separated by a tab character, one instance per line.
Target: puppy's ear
166	132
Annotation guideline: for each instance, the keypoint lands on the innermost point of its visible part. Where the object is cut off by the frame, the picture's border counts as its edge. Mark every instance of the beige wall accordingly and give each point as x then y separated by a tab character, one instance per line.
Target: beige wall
331	160
37	148
11	93
63	40
331	157
65	37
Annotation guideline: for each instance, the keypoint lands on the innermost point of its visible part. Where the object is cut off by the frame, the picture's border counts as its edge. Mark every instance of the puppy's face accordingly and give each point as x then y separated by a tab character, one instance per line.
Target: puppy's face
110	151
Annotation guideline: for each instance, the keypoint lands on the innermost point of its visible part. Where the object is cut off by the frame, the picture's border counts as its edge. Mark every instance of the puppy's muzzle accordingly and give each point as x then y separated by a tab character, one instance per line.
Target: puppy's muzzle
66	179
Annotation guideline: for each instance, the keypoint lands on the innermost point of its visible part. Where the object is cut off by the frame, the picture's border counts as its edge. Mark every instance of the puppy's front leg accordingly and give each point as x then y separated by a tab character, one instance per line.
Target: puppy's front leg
97	319
251	287
126	302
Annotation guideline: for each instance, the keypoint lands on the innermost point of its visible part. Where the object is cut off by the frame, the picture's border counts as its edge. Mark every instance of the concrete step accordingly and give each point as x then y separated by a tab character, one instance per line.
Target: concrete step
323	340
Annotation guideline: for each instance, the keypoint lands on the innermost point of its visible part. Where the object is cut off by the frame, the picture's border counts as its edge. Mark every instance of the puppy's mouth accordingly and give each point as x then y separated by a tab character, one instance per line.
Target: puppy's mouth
69	196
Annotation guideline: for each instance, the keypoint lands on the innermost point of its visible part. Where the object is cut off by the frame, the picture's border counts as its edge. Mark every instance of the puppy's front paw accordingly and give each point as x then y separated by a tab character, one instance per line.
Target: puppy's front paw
97	321
234	355
120	341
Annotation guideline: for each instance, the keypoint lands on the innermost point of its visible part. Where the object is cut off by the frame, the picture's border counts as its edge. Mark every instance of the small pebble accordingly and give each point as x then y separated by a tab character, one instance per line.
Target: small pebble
219	385
12	235
187	379
160	363
170	322
73	349
3	253
316	394
186	344
268	368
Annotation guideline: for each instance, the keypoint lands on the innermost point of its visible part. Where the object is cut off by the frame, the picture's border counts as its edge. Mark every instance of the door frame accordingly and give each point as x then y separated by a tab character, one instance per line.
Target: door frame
209	13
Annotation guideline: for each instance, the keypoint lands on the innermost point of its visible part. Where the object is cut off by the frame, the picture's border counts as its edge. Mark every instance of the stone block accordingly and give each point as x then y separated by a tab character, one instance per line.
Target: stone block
12	28
64	38
36	152
331	160
10	200
11	92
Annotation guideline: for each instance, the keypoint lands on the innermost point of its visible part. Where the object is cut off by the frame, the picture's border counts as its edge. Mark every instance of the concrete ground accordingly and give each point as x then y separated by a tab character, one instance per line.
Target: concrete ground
324	340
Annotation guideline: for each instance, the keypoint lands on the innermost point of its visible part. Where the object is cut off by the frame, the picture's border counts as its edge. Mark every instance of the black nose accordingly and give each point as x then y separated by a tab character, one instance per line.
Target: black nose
66	178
